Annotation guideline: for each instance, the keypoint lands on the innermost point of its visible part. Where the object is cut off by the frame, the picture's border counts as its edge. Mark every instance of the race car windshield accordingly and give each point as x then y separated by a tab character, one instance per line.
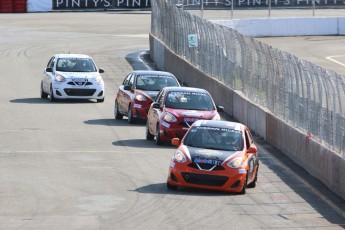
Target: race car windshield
214	138
155	82
189	100
75	65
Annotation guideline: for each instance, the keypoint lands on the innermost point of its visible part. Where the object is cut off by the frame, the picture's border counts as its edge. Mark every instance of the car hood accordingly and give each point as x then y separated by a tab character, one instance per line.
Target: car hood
210	154
200	114
78	74
151	94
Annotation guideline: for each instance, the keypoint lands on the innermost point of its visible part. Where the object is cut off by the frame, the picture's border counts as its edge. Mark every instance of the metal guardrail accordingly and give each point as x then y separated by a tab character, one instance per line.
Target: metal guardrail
301	93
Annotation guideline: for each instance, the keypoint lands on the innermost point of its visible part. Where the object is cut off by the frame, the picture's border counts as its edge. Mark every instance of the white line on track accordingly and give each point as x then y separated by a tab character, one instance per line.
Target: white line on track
67	151
331	58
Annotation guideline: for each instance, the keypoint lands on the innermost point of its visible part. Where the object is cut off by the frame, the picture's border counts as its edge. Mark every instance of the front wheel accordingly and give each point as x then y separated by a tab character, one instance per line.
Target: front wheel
243	191
253	183
149	136
131	119
51	96
117	114
43	94
158	136
100	100
170	186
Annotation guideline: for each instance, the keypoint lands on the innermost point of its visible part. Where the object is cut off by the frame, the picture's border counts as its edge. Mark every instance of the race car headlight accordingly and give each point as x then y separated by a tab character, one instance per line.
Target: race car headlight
216	118
98	79
140	97
235	163
169	117
179	157
60	78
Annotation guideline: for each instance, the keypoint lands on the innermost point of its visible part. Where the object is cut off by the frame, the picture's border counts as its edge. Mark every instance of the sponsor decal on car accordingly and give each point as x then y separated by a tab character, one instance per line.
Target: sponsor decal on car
190	119
137	106
207	153
242	171
207	161
166	124
193	113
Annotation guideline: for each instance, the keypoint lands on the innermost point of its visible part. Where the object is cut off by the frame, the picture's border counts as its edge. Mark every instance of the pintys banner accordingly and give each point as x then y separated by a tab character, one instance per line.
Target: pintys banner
75	5
98	4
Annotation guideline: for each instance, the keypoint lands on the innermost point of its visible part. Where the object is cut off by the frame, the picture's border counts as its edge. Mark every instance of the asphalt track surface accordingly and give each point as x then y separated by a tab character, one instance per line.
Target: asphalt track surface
70	165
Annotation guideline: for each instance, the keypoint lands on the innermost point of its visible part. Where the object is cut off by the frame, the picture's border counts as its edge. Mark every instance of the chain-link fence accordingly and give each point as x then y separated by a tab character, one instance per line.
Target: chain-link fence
301	93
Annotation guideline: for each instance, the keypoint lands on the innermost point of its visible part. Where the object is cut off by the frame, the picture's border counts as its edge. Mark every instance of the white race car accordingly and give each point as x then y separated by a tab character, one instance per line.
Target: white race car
72	76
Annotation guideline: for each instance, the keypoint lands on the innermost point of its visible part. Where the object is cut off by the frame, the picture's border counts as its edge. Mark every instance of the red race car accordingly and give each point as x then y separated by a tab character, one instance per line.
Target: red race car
138	91
176	109
217	155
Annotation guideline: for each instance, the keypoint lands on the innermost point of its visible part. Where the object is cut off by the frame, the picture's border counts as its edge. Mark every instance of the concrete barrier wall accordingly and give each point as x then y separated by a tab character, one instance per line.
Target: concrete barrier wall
270	27
316	159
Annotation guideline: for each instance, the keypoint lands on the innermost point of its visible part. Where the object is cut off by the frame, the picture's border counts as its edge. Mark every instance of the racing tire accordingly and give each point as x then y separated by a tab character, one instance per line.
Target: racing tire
243	191
100	100
117	114
253	183
51	95
149	136
158	136
171	187
43	94
131	119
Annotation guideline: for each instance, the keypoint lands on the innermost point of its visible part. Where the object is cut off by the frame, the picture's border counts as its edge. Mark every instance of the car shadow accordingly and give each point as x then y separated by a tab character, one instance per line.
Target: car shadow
142	143
114	122
161	188
37	100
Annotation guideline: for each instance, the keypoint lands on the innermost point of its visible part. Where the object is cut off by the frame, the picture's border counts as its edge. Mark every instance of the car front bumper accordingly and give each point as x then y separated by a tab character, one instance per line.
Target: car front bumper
65	91
227	179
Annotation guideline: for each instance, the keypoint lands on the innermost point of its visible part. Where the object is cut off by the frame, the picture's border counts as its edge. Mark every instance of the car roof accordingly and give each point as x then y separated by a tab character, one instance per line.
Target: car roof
72	56
151	72
186	89
220	124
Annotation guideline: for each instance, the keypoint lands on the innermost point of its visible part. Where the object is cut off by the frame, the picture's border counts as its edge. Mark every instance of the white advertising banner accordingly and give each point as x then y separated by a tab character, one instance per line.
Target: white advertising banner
39	5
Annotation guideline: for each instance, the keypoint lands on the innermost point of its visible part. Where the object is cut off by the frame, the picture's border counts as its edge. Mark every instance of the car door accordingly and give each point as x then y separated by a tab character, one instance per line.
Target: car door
49	76
122	95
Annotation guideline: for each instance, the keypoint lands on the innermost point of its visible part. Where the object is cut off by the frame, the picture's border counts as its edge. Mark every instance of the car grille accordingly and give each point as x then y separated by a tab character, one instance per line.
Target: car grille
74	83
206	166
203	179
80	92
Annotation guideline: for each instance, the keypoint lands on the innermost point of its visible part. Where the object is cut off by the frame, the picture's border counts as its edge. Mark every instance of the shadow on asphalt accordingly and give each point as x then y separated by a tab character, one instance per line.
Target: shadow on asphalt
38	100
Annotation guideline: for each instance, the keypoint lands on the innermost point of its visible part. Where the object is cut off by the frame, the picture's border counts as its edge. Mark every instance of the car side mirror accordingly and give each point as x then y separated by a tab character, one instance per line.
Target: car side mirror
175	141
252	149
156	105
220	108
100	70
49	70
127	87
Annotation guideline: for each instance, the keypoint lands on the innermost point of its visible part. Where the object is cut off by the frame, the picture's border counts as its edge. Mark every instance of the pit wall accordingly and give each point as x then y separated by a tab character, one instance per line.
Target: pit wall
316	159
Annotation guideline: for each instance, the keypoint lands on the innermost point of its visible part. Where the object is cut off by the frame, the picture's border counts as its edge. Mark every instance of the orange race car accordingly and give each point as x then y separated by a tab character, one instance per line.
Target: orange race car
217	155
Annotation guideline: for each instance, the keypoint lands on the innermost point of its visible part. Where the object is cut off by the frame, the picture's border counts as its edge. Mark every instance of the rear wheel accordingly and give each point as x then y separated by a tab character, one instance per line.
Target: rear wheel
170	186
149	136
131	119
158	136
117	114
43	94
51	96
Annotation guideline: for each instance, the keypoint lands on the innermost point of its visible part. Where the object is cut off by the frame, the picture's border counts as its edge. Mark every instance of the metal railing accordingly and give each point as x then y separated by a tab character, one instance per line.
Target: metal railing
301	93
